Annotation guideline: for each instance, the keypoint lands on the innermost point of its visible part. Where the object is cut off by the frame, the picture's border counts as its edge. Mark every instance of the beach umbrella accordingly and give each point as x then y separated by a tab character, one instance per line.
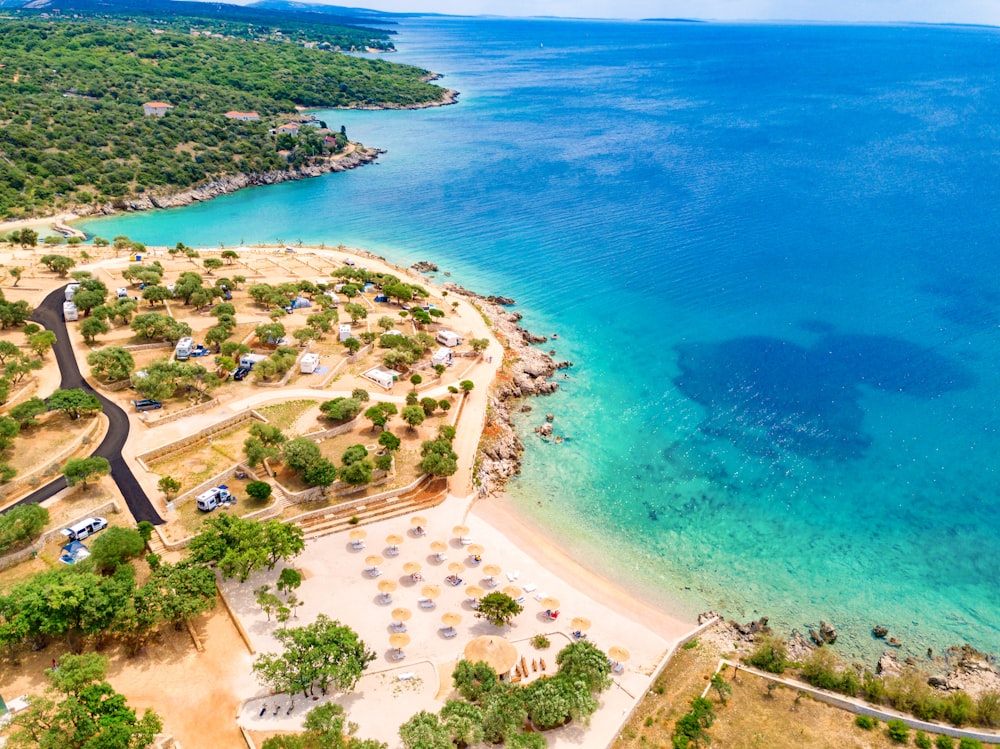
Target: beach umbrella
550	603
475	550
399	640
394	539
580	623
451	618
618	654
456	568
357	534
494	651
513	591
430	591
411	568
401	614
387	586
460	530
373	560
418	521
491	570
474	591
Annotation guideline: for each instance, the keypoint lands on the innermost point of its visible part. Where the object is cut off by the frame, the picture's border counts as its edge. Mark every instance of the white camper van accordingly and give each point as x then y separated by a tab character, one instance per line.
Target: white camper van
447	338
309	363
214	497
248	360
183	349
84	529
71	291
70	312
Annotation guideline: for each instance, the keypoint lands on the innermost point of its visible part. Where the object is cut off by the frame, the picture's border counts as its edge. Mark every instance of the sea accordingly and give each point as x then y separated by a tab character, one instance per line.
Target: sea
772	253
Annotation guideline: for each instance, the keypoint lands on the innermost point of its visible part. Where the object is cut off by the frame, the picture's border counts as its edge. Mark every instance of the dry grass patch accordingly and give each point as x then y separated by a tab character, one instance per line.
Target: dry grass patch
286	415
35	446
202	461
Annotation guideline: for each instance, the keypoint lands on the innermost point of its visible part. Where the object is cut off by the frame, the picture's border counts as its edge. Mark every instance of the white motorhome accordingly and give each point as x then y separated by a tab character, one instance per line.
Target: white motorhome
442	356
71	291
248	360
70	312
214	497
309	363
447	338
84	529
345	332
184	347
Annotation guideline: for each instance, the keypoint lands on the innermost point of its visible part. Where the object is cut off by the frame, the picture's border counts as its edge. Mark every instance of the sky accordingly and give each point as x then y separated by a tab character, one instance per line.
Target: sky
928	11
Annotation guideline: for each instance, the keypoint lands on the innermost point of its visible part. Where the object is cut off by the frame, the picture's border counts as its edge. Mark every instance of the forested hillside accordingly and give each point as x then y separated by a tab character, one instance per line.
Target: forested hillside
72	128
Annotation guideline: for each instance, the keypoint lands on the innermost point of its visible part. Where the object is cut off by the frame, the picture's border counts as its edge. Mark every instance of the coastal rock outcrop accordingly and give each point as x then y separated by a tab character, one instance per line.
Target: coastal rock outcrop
827	632
425	266
879	631
231	183
526	372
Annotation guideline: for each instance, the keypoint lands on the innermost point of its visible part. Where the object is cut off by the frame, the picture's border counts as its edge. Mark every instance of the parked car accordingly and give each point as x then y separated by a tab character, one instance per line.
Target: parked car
147	404
84	529
241	373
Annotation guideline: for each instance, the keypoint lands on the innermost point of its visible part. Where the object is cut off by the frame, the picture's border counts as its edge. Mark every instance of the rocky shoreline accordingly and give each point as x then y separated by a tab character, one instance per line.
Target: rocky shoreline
228	184
525	372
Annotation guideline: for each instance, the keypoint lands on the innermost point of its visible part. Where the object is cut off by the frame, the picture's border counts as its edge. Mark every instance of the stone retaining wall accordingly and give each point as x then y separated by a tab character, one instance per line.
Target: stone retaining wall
176	415
175	447
356	503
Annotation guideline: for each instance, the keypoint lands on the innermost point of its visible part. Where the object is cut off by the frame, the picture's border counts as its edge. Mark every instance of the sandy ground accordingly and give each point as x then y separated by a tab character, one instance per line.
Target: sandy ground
336	584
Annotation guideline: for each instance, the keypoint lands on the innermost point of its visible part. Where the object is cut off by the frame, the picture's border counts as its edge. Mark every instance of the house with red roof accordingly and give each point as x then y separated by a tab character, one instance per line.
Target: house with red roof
156	108
243	116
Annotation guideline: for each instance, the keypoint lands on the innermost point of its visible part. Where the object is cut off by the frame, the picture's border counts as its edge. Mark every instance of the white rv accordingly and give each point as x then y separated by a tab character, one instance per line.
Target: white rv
345	332
70	312
84	529
184	347
248	360
442	356
447	338
214	497
71	291
309	363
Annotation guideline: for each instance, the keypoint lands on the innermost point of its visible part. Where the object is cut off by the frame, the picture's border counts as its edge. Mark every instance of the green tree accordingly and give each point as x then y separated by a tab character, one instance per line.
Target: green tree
41	343
341	409
25	412
554	702
323	655
299	453
212	264
353	345
156	294
111	364
91	328
504	714
27	237
20	525
84	712
770	654
425	730
169	486
467	386
479	345
413	416
82	470
181	592
721	686
259	491
59	264
240	546
416	380
114	547
464	722
474	680
9	429
499	609
584	662
898	731
389	441
357	473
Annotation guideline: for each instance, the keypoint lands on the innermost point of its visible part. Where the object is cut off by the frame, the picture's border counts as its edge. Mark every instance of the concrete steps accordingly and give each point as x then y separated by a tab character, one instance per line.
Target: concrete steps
429	494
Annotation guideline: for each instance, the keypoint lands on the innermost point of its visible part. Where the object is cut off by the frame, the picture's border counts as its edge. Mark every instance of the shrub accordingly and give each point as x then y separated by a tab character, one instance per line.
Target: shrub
944	742
898	731
866	722
770	654
970	744
922	741
988	709
540	642
959	708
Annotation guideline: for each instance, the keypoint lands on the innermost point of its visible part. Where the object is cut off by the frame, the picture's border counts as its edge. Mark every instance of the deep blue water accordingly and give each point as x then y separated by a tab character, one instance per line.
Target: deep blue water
771	253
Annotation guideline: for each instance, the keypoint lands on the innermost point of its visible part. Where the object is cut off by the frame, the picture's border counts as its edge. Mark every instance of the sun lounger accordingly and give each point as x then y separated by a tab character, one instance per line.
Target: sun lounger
491	582
530	588
425	603
392	551
618	668
520	599
374	572
406	676
512	576
398	655
398	626
541	662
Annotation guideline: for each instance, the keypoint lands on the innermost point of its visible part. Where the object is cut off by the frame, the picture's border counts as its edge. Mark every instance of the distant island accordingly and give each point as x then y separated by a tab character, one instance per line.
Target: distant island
97	111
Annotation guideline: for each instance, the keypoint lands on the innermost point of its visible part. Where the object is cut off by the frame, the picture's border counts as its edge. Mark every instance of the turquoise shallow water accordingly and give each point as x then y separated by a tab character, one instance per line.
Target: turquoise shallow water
770	251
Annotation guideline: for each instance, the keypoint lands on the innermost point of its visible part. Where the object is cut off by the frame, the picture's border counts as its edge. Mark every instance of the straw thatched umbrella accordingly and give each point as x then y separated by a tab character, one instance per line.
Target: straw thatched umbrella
357	534
550	603
411	568
460	530
451	618
494	651
374	560
456	568
491	570
475	550
474	591
399	640
393	540
580	624
401	614
430	591
387	586
514	591
618	654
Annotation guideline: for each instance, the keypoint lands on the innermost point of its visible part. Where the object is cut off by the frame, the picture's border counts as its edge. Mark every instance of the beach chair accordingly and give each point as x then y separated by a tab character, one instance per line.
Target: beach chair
425	603
391	551
374	572
466	540
398	655
618	668
531	588
520	599
398	626
406	676
358	545
448	632
490	582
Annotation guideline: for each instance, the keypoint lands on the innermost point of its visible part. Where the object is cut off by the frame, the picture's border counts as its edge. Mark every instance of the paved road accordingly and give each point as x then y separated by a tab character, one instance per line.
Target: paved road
49	314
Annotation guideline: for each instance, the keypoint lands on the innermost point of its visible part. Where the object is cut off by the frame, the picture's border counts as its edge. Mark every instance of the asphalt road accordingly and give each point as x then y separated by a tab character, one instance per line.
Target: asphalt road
49	314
